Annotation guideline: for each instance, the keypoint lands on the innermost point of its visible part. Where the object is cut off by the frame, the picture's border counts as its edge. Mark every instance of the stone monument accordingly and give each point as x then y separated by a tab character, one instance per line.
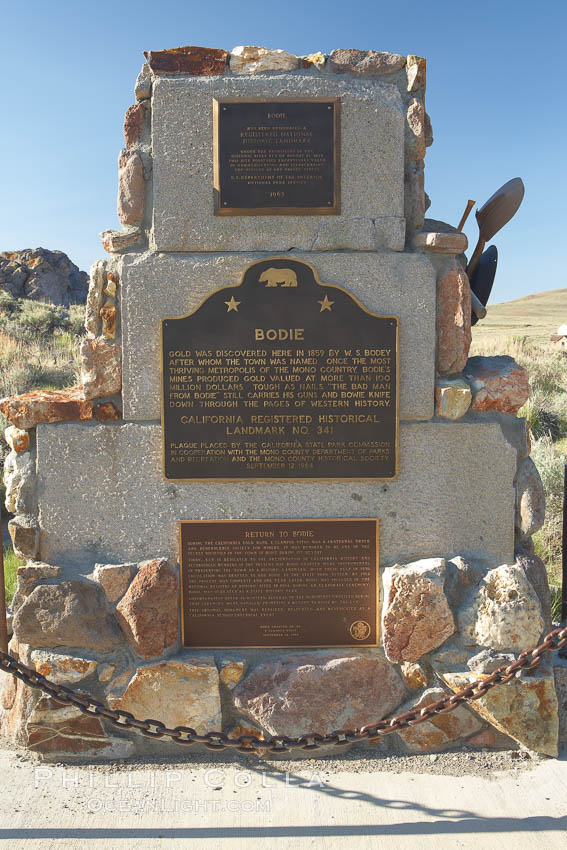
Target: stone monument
276	396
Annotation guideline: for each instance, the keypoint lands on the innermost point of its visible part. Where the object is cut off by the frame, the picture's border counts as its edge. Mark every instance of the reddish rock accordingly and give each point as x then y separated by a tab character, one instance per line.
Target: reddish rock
71	613
107	412
486	738
415	129
18	440
497	383
24	532
179	692
8	692
108	315
130	188
116	241
55	729
416	616
101	372
442	729
367	63
453	320
323	692
148	612
199	61
133	123
13	720
26	410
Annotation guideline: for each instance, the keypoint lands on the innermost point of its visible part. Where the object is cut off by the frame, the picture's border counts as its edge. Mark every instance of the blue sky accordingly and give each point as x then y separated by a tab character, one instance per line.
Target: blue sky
496	80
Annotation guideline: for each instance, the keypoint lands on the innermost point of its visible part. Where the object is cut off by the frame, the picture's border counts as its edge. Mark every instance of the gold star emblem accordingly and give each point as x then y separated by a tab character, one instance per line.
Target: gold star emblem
232	305
325	304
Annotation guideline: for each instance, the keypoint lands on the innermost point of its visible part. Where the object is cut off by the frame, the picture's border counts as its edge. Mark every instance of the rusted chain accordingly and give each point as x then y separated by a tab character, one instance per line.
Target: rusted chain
187	736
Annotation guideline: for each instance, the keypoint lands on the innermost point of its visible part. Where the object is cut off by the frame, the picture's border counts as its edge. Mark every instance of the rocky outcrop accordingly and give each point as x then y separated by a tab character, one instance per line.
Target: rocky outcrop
42	275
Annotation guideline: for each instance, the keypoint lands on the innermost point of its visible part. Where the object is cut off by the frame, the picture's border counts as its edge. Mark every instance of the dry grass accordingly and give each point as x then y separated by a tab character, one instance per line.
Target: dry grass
39	349
535	317
546	410
11	564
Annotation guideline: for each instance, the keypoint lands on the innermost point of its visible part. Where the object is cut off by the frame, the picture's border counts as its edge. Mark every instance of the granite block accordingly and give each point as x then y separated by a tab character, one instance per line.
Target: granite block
372	164
154	286
103	499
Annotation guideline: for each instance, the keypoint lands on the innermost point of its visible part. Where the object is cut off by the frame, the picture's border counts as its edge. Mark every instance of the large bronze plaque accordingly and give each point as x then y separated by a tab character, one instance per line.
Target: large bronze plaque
277	583
277	157
281	377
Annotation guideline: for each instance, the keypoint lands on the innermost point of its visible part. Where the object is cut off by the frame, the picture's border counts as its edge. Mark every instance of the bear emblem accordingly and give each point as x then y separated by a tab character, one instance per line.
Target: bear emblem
273	277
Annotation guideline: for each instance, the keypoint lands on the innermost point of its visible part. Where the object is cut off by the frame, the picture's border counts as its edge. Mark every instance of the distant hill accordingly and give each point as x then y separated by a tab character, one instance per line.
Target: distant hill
43	275
536	316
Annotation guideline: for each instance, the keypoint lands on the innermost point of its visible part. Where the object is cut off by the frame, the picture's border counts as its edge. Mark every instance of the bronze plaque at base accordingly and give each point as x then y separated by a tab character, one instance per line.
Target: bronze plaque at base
280	378
276	157
279	583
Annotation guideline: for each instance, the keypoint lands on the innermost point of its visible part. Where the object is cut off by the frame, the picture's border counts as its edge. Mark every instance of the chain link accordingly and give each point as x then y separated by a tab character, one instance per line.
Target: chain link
186	736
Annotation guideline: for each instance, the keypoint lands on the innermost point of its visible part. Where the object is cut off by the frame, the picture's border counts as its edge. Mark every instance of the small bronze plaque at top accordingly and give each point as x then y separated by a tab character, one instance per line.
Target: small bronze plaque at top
277	583
277	157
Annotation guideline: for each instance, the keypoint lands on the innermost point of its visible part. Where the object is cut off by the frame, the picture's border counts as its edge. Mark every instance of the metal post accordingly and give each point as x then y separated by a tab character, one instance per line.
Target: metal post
564	570
3	621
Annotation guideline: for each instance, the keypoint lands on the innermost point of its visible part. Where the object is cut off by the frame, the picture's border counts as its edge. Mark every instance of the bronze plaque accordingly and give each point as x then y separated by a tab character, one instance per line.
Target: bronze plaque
276	157
278	583
281	377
